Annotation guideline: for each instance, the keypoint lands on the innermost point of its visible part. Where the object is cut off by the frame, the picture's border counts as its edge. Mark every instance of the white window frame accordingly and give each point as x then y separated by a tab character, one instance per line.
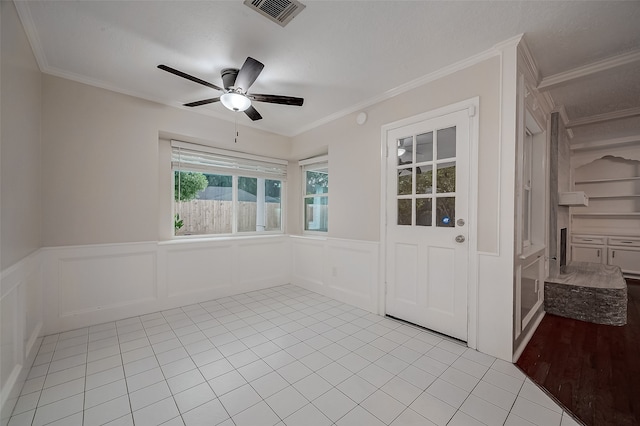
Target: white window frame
231	163
313	164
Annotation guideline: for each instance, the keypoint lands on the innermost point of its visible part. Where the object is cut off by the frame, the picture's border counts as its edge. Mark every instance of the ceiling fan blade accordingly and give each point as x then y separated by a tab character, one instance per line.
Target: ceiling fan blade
188	77
276	99
250	70
202	102
252	113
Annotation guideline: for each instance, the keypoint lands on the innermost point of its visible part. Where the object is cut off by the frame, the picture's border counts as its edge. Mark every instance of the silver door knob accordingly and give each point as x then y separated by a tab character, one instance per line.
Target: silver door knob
460	239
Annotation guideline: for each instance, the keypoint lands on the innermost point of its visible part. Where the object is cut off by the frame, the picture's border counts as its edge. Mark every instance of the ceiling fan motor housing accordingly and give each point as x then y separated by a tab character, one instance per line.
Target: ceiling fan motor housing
229	77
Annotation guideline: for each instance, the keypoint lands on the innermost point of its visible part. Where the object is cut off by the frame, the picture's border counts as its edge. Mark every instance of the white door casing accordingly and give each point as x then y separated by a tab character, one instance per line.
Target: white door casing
427	232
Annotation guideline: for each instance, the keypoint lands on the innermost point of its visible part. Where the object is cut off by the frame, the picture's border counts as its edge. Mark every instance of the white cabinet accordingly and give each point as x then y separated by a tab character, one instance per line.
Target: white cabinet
589	248
625	253
583	253
620	251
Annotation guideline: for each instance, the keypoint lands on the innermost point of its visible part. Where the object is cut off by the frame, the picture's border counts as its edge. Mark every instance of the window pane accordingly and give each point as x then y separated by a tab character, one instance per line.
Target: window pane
317	182
424	180
446	178
316	213
405	181
405	151
203	203
424	147
446	212
404	212
247	204
446	143
273	198
423	211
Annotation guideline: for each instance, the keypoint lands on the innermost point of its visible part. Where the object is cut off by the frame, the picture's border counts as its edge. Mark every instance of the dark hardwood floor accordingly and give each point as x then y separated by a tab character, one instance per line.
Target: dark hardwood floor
592	369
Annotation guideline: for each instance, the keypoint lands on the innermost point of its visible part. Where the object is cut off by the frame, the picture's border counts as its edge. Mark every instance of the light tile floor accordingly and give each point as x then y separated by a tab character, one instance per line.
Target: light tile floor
280	356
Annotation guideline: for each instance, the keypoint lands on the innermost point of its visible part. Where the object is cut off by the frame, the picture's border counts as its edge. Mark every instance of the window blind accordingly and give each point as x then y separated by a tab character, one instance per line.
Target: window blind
191	157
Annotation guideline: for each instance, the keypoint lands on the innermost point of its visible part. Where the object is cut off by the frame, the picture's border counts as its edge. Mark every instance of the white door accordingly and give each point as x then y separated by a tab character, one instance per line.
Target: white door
427	234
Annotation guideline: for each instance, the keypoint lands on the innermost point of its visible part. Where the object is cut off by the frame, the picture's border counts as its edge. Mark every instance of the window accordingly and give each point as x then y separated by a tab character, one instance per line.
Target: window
527	168
223	192
315	184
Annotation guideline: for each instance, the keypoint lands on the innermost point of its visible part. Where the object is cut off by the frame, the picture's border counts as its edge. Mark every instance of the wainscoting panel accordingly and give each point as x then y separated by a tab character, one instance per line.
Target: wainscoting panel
346	270
354	272
198	268
20	326
307	269
263	262
89	283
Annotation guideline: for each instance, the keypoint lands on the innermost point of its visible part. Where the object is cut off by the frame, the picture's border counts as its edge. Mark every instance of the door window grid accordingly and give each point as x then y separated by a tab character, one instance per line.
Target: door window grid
415	199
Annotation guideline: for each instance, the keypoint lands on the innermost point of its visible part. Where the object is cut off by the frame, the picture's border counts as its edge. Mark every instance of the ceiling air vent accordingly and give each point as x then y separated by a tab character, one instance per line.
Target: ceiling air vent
279	11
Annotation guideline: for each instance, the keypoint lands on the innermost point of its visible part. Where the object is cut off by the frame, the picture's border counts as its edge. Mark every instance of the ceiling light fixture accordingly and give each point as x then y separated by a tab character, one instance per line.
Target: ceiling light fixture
235	101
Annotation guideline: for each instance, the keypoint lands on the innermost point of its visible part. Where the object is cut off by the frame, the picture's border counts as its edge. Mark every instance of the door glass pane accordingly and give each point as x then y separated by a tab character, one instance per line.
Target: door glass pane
446	143
423	211
405	181
404	212
446	212
424	147
316	213
405	151
424	180
446	181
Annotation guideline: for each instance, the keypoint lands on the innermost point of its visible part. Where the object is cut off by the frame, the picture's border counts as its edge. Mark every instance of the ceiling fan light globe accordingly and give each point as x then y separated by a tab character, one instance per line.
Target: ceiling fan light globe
235	101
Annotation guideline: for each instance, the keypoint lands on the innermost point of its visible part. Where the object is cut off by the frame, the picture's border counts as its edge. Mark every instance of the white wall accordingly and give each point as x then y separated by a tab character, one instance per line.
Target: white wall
20	207
354	153
20	135
103	162
354	182
106	203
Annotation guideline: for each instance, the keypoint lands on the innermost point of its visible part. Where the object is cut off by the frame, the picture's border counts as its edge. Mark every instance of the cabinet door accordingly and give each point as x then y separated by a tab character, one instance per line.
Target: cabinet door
626	258
594	254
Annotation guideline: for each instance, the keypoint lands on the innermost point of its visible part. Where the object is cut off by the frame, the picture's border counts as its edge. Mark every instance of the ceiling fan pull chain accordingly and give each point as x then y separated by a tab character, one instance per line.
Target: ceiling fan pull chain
236	138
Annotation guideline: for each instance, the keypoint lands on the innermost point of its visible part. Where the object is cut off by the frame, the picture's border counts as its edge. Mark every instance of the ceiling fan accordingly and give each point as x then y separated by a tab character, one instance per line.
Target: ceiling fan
236	82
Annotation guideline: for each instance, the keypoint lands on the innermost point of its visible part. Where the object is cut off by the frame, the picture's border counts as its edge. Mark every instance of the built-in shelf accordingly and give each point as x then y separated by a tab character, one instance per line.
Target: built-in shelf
622	197
606	215
622	179
577	198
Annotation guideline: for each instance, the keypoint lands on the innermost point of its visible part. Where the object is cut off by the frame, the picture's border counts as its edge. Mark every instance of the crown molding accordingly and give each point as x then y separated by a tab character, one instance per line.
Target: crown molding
406	87
529	62
608	116
567	77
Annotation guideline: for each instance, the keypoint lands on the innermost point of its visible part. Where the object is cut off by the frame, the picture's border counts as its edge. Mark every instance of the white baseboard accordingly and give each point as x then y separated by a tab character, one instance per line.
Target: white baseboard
528	335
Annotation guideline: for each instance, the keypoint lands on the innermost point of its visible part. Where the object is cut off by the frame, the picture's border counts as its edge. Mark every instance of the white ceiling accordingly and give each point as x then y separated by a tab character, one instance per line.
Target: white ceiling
338	55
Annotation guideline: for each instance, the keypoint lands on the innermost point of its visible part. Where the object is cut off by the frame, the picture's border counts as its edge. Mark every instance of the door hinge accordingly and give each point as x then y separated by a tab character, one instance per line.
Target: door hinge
387	151
472	111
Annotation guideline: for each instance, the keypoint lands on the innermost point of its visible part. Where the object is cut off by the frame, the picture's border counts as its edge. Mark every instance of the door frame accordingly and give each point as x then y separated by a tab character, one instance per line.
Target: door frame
472	106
